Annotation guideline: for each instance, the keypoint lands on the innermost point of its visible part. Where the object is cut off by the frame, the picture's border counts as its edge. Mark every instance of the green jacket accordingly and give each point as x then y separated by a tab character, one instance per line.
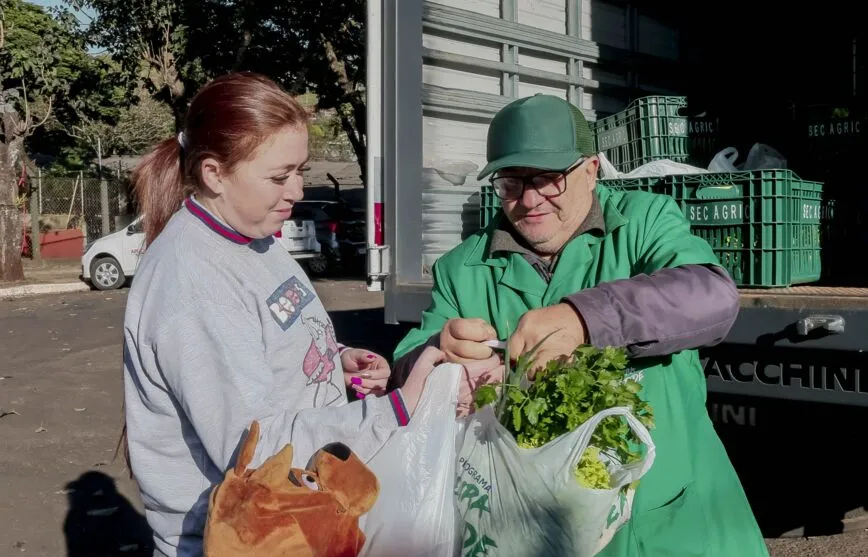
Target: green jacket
691	501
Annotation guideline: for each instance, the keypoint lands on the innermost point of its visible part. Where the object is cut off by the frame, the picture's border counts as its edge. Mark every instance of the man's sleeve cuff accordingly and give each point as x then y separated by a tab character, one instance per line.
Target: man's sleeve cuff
602	324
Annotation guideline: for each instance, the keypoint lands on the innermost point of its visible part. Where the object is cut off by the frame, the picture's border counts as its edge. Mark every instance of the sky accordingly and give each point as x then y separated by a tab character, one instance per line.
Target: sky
54	3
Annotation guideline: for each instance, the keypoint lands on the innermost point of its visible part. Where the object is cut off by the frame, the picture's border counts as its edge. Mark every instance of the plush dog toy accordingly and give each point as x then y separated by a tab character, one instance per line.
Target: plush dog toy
277	510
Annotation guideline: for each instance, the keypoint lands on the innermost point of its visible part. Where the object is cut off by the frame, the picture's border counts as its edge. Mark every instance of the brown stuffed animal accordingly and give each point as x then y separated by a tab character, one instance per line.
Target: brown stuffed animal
277	510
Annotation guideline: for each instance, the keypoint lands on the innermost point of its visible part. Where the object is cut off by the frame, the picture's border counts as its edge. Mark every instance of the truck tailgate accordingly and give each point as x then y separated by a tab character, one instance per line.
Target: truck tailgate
804	297
803	343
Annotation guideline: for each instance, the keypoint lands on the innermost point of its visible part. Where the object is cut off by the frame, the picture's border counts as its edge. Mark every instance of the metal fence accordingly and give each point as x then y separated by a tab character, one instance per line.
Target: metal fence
97	206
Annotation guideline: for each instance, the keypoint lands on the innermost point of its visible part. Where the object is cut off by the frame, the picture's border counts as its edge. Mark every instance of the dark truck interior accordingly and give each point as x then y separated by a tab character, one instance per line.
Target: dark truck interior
794	78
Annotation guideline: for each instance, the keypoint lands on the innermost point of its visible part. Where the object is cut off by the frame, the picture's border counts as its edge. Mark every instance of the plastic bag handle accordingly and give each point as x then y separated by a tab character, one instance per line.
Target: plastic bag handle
607	169
435	393
638	428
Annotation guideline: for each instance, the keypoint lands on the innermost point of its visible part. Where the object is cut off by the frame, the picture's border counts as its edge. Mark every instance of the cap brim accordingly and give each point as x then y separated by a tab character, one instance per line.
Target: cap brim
542	160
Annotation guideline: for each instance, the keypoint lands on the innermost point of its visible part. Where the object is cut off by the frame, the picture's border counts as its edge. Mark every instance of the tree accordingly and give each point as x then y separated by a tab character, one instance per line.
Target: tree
148	40
318	46
119	115
176	45
31	43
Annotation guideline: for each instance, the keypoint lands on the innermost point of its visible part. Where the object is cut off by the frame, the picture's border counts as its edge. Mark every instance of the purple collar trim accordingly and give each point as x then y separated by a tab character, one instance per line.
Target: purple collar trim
214	224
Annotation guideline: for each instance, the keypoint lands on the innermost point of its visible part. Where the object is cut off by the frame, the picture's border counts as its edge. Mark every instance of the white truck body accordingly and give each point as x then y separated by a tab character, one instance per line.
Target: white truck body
441	69
438	70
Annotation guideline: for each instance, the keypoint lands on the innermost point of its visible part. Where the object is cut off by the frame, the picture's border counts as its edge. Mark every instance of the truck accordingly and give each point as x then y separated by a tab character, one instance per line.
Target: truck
785	389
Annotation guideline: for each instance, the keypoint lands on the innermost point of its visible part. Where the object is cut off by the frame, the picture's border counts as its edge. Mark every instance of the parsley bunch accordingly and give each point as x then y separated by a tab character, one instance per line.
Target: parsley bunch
565	394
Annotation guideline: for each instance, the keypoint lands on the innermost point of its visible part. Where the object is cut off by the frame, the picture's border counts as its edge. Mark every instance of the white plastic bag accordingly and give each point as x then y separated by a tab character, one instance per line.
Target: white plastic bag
415	510
517	502
661	167
760	157
724	161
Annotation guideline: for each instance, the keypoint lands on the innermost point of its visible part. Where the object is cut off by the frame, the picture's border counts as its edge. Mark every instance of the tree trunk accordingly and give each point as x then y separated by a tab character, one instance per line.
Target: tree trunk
10	215
355	127
357	144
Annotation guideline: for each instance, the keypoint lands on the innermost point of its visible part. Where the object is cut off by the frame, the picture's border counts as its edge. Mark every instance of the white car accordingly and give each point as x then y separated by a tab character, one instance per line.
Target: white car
109	262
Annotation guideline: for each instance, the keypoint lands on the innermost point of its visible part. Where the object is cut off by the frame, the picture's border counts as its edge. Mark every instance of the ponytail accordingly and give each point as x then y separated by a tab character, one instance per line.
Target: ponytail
159	185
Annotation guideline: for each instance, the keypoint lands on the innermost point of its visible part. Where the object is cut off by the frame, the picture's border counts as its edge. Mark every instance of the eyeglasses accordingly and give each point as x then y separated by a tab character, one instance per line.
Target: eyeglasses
548	183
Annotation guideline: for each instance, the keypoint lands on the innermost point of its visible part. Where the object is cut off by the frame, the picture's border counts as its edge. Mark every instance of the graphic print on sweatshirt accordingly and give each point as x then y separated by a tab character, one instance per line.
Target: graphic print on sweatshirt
287	301
319	361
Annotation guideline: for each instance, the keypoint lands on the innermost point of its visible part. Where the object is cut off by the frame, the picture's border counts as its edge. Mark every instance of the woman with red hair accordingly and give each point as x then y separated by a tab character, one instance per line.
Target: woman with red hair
223	327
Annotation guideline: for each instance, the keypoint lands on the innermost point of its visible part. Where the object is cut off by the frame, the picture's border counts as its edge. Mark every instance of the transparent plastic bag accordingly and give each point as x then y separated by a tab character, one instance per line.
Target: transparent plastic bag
724	161
517	502
763	157
415	509
760	157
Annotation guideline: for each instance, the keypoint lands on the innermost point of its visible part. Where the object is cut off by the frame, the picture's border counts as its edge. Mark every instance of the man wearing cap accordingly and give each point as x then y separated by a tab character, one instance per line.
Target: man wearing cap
591	265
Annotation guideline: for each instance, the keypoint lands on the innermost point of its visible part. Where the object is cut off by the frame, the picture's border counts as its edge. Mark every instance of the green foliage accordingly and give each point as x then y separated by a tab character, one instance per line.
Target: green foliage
174	46
41	57
564	395
76	96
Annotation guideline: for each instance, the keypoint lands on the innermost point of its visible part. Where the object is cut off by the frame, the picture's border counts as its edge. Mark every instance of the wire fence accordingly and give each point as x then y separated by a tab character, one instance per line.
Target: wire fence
96	206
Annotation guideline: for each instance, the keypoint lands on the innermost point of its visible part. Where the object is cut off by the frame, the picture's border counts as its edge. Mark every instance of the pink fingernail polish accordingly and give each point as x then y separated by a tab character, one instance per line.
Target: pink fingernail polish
370	356
360	395
356	381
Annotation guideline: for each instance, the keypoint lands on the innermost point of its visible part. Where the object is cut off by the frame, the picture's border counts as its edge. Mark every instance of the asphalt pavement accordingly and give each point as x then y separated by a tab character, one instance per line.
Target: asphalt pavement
62	492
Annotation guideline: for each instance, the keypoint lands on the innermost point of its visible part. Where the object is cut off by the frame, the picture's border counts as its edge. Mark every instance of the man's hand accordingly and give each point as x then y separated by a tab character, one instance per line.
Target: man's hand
365	372
562	325
462	340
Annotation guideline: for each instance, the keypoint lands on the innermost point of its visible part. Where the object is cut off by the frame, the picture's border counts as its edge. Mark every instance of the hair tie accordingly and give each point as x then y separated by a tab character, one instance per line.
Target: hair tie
182	140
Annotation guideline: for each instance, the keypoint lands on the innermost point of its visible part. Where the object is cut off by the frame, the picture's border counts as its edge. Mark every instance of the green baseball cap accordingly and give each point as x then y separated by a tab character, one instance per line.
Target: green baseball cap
541	131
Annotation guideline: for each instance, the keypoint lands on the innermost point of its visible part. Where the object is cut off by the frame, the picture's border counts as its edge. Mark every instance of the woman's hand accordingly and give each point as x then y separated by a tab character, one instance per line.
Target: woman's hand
474	375
430	358
365	372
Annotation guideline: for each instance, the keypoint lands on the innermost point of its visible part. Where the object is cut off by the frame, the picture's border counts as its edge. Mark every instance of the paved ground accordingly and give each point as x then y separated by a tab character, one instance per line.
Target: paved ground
61	492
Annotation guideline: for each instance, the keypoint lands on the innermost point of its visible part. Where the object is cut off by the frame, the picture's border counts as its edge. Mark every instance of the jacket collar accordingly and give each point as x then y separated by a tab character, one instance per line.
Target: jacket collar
493	250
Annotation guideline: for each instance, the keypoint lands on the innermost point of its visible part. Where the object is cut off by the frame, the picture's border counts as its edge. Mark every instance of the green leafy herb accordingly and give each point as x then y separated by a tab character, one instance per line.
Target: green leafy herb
565	394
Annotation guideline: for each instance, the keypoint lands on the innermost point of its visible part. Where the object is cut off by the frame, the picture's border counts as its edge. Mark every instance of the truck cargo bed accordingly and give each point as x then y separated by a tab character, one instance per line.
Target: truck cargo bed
806	297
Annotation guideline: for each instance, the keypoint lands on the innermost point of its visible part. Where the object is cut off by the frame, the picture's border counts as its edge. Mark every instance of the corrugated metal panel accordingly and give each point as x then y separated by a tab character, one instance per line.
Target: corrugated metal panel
476	59
657	39
484	7
597	104
550	15
605	23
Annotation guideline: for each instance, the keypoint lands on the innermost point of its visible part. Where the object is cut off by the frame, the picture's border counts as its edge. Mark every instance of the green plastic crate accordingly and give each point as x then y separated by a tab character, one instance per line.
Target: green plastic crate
763	225
489	205
651	183
650	128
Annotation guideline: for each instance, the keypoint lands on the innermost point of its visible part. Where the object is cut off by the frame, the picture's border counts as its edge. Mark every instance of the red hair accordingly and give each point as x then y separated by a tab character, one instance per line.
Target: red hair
228	119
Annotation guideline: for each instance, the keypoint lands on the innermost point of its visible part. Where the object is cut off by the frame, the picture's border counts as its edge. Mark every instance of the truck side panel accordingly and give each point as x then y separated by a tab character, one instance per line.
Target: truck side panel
476	56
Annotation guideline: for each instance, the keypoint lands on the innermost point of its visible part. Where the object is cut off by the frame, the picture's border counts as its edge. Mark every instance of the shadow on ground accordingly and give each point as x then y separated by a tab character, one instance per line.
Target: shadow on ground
103	523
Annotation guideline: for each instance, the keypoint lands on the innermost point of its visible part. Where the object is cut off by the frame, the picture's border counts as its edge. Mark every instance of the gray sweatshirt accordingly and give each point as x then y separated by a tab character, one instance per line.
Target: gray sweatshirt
219	331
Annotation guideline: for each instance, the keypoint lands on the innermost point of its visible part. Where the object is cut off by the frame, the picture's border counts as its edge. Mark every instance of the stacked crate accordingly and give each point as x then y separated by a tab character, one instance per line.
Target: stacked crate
764	225
827	142
650	128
